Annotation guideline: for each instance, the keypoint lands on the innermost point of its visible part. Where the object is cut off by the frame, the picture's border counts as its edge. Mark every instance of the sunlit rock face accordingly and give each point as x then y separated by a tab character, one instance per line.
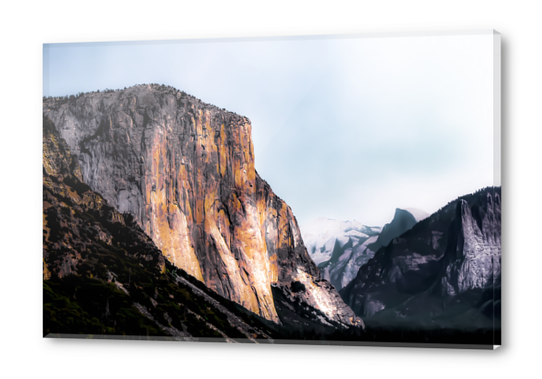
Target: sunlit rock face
185	171
445	270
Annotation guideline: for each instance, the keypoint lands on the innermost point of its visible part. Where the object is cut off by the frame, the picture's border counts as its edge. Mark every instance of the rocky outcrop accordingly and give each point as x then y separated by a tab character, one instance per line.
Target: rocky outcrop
185	171
444	271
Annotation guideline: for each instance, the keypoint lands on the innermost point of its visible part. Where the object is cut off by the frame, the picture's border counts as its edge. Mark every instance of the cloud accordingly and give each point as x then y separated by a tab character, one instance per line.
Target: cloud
342	127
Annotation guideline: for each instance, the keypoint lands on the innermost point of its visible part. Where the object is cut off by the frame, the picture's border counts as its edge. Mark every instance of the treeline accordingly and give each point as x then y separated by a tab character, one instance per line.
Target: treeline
160	87
468	197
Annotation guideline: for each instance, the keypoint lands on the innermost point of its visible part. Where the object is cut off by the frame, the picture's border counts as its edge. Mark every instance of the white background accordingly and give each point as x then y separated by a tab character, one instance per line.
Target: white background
24	27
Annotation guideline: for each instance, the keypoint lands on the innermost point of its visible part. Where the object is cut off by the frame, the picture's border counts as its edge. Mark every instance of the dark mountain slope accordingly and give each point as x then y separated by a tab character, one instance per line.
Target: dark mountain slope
444	273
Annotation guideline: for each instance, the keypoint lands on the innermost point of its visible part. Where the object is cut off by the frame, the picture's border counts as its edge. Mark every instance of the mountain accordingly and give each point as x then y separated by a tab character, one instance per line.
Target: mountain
104	276
183	171
443	274
340	248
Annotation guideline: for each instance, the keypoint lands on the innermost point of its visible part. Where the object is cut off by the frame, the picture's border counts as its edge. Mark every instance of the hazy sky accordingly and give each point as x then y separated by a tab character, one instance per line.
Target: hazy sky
345	128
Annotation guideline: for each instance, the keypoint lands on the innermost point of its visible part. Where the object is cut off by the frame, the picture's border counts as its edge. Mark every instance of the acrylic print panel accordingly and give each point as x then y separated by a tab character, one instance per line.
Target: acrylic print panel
322	190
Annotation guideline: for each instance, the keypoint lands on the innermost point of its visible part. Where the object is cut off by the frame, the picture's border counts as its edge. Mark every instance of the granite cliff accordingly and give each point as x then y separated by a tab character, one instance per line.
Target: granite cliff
184	170
103	275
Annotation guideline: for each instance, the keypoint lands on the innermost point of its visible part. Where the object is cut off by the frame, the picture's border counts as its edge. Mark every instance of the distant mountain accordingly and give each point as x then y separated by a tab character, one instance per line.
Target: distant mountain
340	248
444	273
403	220
319	236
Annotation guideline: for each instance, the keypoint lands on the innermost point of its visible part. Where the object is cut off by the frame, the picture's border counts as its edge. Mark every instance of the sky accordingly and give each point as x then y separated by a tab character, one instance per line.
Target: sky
344	127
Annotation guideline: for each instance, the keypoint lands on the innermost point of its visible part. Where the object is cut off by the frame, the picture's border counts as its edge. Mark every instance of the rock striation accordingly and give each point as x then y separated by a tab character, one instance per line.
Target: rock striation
185	171
444	272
